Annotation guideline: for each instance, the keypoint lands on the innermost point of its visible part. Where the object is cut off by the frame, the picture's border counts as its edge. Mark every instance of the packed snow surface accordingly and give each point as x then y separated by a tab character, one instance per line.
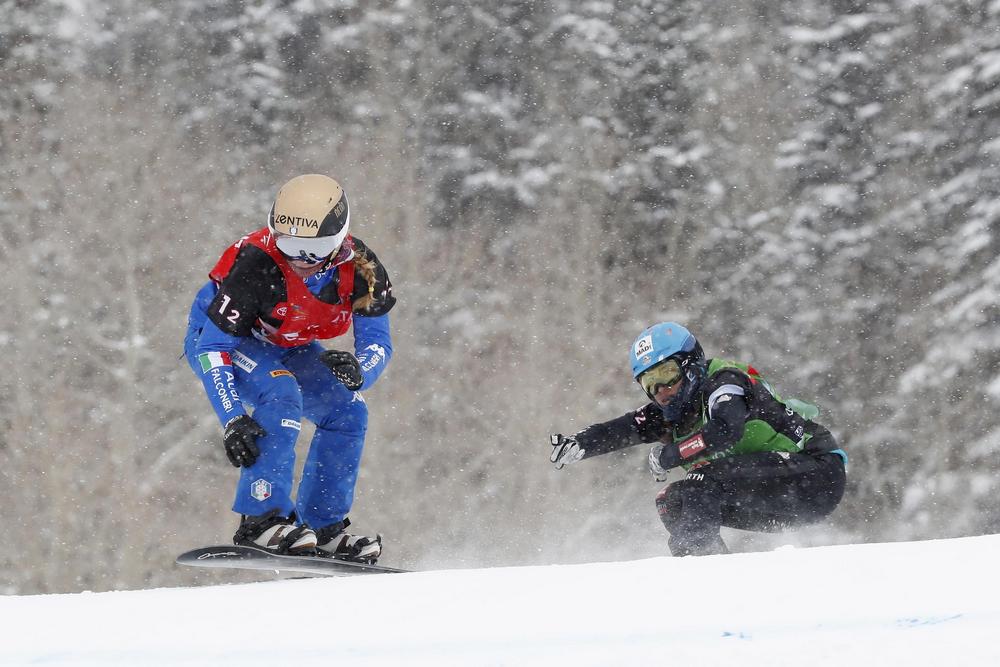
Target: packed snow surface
919	603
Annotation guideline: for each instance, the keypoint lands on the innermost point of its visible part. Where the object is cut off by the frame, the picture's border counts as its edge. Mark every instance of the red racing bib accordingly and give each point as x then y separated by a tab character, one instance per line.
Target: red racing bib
304	318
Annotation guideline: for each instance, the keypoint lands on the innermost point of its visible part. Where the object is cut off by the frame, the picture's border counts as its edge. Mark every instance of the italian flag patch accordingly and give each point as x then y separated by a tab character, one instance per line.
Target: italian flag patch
210	360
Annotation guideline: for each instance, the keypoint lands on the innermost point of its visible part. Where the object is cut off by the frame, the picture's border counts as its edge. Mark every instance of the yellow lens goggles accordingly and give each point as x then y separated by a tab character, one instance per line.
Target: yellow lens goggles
665	374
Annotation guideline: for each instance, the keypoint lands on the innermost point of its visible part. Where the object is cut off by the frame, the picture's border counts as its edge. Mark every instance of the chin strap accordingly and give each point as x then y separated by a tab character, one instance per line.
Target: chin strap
345	254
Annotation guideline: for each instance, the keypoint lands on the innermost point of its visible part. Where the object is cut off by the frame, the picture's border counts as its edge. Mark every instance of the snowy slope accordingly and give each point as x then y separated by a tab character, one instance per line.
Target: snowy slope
923	603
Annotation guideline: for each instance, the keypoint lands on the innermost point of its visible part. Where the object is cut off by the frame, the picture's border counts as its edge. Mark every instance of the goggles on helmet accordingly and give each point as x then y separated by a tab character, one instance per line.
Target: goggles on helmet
307	250
665	374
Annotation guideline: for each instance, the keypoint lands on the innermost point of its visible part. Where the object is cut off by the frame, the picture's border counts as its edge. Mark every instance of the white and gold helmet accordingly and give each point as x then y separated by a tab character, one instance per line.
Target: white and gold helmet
310	218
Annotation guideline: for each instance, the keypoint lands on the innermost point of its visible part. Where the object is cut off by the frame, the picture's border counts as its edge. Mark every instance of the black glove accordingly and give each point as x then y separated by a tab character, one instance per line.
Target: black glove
565	450
241	440
345	367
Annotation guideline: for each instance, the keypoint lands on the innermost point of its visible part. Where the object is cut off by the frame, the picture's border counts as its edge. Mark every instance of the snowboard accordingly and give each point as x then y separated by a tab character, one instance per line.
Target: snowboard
250	558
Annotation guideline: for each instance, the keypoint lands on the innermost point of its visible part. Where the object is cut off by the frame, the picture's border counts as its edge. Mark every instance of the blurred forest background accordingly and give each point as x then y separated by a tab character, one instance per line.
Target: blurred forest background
810	185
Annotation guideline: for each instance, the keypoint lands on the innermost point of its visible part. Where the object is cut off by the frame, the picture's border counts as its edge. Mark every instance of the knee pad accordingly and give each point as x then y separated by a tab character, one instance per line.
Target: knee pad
348	417
668	504
691	500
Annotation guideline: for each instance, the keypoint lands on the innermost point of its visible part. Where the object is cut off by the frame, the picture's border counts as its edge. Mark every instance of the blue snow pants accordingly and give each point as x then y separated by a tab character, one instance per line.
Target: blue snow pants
283	385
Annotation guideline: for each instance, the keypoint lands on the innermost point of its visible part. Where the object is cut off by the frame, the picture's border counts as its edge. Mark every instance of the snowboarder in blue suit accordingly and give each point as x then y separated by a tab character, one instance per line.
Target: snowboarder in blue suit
252	339
754	460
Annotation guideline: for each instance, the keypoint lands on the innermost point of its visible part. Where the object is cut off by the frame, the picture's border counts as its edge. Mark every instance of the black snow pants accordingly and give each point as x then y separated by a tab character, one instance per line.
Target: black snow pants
764	491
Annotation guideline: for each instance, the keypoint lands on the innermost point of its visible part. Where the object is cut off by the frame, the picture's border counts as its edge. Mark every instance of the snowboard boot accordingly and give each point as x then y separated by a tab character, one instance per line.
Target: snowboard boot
277	534
334	541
